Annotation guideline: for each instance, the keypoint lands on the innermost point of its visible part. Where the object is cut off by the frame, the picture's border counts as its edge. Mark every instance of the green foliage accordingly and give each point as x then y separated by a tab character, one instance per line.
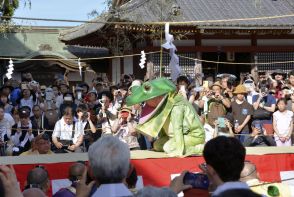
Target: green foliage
7	7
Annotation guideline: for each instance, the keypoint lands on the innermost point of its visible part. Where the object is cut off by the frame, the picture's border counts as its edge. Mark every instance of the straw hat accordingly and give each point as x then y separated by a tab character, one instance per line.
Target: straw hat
216	84
240	89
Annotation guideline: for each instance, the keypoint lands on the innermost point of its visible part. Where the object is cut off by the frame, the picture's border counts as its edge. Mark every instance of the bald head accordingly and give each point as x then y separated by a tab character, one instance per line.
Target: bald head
249	172
38	177
76	171
33	192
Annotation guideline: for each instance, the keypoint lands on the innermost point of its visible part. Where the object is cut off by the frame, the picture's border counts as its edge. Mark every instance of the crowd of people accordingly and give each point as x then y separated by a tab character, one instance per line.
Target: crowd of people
35	119
110	173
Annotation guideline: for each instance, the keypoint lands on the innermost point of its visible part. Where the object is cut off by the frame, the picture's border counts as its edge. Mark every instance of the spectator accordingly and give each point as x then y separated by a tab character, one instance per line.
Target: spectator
124	128
6	89
75	174
249	175
63	89
93	105
108	113
283	124
99	87
241	111
291	80
78	95
14	117
259	137
85	89
227	82
224	157
182	86
5	102
215	105
57	98
33	192
5	131
22	134
15	93
68	134
109	160
88	127
223	131
265	105
38	120
27	98
68	101
38	178
41	145
250	88
9	185
150	191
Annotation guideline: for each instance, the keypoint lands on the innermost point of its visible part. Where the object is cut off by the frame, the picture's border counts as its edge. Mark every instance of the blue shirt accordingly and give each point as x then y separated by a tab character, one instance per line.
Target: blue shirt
268	101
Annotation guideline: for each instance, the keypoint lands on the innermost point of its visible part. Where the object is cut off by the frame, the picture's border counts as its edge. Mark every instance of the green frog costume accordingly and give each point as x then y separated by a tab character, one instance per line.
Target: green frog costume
174	122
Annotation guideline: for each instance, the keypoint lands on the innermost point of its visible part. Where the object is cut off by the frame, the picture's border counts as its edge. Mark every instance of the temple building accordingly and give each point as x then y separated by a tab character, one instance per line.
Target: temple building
215	37
53	57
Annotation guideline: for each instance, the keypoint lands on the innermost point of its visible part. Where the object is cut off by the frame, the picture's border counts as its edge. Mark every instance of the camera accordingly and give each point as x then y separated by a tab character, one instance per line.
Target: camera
198	89
198	181
85	115
263	90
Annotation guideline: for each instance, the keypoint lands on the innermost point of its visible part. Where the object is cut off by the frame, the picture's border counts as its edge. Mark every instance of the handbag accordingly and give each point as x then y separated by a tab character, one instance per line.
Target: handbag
261	114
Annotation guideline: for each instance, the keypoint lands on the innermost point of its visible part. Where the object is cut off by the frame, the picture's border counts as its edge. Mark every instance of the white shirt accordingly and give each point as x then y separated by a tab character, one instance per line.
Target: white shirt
6	125
64	131
283	121
59	100
230	186
28	102
208	132
250	97
112	190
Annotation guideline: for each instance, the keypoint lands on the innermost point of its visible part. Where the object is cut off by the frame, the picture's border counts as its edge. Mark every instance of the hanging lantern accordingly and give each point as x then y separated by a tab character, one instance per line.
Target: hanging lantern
80	66
10	69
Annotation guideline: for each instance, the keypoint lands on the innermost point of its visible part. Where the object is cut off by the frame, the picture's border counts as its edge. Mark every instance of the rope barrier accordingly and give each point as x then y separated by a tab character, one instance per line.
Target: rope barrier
76	59
100	129
154	52
151	23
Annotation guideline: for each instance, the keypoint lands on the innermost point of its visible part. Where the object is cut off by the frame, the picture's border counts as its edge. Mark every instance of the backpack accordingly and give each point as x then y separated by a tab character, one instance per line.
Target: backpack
215	109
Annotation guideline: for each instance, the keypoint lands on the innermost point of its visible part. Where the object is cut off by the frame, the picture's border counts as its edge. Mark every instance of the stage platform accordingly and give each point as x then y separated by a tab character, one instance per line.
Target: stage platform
157	169
137	154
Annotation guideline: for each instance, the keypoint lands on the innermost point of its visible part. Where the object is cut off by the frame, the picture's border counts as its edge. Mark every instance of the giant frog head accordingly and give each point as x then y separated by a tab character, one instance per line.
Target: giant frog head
153	93
150	90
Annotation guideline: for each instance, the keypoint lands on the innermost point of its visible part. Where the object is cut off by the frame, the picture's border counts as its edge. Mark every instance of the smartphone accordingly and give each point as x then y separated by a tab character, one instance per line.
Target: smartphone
221	122
183	88
79	95
258	125
205	85
198	181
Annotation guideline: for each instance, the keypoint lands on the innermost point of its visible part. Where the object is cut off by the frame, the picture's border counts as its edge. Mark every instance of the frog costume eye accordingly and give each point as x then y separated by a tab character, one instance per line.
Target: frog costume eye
147	88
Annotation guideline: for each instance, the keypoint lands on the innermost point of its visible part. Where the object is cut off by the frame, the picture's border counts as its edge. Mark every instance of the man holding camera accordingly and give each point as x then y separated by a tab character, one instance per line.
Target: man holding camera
67	135
107	114
224	160
215	105
264	105
259	137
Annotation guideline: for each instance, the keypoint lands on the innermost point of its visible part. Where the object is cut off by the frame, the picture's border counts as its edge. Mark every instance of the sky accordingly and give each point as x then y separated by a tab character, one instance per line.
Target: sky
58	9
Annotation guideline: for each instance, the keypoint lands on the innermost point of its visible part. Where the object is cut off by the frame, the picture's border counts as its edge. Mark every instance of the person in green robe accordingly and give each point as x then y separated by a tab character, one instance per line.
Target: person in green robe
168	117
